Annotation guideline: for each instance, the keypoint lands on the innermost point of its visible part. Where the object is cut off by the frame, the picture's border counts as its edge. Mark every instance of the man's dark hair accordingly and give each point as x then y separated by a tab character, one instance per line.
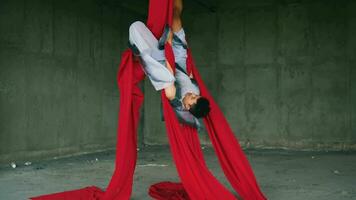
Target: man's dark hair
201	108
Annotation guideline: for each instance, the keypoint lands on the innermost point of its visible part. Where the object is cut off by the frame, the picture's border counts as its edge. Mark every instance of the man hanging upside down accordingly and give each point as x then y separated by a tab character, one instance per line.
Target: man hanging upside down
180	88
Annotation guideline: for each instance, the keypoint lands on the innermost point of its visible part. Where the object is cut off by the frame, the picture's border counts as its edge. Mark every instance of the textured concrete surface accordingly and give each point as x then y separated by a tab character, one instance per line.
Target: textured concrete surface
283	73
58	64
281	174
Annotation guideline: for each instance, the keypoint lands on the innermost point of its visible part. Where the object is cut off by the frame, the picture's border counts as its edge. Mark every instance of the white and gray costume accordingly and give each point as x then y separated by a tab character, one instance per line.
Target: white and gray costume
154	66
152	59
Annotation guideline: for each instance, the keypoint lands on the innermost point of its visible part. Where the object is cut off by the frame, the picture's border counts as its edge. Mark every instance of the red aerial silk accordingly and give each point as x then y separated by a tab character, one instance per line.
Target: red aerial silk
198	183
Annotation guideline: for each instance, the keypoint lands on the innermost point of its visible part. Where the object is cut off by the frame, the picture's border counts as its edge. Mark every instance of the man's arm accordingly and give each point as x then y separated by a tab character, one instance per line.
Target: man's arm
170	90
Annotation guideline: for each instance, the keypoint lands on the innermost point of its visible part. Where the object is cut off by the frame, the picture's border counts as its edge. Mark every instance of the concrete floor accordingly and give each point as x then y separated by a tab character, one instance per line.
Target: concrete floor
281	174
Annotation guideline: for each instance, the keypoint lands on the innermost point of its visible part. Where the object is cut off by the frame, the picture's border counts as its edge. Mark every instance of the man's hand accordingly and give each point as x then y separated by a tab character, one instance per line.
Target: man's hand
170	91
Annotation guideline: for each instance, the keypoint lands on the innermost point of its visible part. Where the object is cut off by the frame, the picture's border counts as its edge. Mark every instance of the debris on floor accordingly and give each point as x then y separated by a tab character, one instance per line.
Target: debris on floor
13	165
28	163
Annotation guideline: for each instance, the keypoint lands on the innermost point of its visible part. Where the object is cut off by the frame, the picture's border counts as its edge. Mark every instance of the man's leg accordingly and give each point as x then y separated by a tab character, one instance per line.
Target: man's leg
153	65
176	26
177	22
177	11
159	75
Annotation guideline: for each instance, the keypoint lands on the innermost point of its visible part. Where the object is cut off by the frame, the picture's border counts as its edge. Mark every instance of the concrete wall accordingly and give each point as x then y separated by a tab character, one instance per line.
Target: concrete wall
58	64
294	67
283	72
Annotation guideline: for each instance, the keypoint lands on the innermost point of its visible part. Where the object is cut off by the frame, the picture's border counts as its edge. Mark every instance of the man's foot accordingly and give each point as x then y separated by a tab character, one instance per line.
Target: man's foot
134	49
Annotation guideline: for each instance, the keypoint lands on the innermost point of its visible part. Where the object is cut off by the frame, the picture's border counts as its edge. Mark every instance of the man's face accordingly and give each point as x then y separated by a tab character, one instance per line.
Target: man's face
189	100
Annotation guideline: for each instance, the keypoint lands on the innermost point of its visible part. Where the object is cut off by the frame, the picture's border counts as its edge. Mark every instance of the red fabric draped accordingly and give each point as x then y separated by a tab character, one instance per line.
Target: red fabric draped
131	99
198	182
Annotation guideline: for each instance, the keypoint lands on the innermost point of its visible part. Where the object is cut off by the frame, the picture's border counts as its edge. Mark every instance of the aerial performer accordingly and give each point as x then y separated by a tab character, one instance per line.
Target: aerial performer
159	50
180	86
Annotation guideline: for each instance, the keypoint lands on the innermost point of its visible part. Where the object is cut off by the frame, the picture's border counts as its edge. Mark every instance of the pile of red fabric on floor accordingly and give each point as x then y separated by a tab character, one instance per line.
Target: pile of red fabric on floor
197	182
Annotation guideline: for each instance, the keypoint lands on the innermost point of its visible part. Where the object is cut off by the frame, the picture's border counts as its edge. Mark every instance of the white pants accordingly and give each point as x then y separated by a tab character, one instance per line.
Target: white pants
152	59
